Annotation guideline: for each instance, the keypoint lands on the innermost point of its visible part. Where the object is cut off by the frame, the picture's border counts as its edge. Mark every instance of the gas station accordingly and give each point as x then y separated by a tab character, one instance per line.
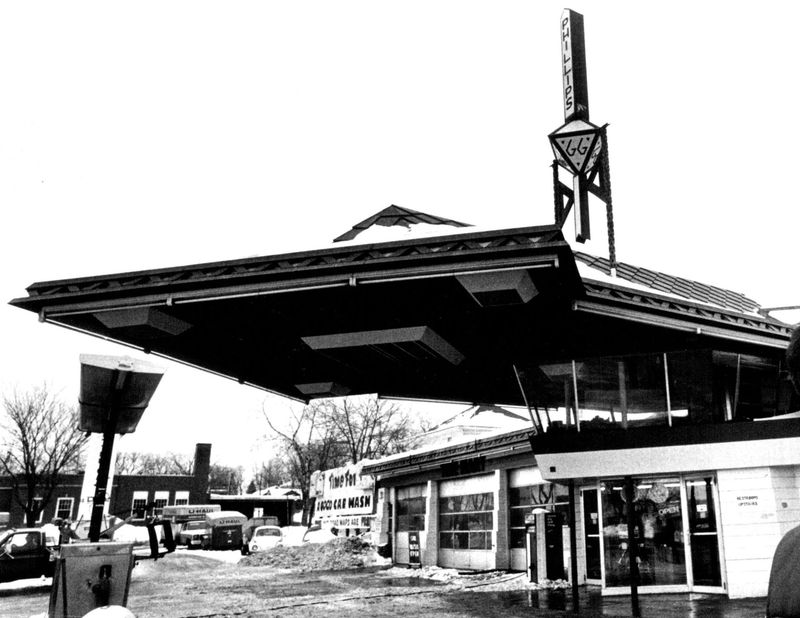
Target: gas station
642	388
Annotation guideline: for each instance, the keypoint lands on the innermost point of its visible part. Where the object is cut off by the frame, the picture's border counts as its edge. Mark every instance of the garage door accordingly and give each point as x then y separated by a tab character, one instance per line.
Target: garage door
466	523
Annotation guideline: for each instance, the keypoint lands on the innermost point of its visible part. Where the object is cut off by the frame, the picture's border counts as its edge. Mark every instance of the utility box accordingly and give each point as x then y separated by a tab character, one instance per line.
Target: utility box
90	575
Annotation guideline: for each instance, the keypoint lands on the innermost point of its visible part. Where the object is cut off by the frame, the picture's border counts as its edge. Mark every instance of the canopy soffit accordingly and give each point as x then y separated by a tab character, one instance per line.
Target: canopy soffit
446	318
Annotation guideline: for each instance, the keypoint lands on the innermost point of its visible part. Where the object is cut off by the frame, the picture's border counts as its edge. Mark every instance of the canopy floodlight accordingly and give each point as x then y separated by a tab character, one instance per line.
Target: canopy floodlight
114	393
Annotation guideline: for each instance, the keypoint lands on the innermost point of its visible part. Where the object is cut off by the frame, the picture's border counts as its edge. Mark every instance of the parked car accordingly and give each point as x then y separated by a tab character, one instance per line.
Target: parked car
783	594
195	534
265	537
249	527
24	554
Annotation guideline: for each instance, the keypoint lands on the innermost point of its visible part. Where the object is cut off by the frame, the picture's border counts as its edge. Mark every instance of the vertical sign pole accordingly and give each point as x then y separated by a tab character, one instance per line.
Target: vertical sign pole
576	101
573	62
582	208
104	465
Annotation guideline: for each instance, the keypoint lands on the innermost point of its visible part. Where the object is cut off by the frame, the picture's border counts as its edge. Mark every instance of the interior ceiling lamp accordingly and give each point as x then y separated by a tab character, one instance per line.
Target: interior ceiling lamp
577	146
143	319
510	287
415	342
322	389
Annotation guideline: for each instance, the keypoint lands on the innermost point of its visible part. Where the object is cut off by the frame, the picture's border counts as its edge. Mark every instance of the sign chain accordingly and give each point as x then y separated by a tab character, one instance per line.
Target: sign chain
605	178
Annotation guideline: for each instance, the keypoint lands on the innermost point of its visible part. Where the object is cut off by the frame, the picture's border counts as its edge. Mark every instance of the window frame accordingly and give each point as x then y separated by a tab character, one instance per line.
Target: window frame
59	509
137	497
457	517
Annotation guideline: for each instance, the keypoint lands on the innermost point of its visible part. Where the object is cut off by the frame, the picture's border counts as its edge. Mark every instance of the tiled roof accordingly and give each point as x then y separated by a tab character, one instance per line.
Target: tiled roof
677	286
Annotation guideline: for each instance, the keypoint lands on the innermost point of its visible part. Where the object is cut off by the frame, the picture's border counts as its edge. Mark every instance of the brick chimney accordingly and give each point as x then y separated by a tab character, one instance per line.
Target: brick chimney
202	469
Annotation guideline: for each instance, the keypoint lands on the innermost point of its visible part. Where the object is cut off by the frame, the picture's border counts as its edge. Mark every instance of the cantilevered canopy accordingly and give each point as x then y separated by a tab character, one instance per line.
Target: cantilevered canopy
464	317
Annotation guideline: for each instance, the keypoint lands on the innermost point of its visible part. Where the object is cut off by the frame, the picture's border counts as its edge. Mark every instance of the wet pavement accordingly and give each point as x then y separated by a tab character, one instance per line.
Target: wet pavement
591	603
190	588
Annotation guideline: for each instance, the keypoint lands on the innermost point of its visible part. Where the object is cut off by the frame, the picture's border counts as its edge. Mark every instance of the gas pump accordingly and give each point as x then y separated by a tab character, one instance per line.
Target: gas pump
553	545
114	393
544	543
530	548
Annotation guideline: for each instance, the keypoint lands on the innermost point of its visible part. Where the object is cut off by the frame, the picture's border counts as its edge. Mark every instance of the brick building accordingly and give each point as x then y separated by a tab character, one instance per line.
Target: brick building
137	494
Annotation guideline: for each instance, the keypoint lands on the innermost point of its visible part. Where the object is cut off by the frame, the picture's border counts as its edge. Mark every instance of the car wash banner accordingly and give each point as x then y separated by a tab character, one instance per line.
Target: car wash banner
343	492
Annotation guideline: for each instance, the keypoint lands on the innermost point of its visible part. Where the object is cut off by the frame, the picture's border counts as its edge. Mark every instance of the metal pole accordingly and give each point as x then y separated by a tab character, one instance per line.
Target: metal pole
104	466
633	548
536	422
99	500
575	389
573	550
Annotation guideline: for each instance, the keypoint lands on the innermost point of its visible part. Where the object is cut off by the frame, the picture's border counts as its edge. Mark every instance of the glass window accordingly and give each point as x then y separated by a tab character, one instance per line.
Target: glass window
748	387
64	508
159	502
410	508
523	500
23	543
628	391
466	522
705	386
703	531
268	532
182	497
690	391
139	504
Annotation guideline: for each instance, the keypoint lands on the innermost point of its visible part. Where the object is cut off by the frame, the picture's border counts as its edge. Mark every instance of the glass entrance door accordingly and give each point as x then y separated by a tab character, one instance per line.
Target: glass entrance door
703	538
657	533
675	533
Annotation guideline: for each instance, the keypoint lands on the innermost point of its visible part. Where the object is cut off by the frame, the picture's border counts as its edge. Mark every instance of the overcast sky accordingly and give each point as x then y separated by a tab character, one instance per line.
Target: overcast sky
154	134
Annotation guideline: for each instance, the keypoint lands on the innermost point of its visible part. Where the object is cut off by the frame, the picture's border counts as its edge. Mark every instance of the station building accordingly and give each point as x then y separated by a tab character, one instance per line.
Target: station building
628	376
707	429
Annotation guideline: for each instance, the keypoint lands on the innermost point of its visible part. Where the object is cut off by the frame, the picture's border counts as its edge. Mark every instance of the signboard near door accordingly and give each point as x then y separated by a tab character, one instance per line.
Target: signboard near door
413	549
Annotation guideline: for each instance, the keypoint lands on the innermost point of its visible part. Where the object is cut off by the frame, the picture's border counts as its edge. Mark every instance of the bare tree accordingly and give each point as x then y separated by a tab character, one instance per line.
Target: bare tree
308	444
328	433
41	441
270	473
226	479
154	463
370	427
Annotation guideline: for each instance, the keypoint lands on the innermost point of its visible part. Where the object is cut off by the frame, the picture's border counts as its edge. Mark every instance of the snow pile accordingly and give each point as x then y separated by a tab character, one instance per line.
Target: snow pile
487	581
435	573
336	554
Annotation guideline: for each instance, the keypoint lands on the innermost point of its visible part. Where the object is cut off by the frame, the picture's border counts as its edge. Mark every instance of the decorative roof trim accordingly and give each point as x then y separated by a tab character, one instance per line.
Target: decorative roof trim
662	310
489	446
308	265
